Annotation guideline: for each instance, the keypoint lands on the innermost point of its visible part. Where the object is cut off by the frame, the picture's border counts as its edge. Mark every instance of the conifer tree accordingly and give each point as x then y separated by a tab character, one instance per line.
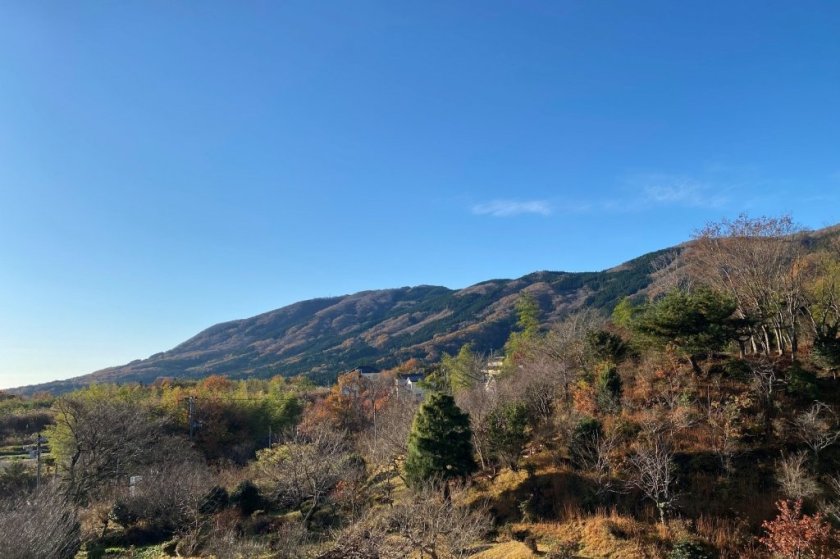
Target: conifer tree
440	442
695	323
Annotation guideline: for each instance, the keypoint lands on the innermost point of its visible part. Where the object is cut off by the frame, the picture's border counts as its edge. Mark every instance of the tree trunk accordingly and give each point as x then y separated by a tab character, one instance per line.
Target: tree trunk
694	365
661	508
780	340
479	452
768	418
794	340
308	517
766	335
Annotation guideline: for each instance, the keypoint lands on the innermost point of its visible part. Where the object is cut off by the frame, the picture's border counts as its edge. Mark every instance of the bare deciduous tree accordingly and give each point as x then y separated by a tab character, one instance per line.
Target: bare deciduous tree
431	524
794	478
597	455
766	382
752	259
479	402
822	285
41	525
385	446
306	468
169	494
817	427
724	418
832	507
653	473
100	440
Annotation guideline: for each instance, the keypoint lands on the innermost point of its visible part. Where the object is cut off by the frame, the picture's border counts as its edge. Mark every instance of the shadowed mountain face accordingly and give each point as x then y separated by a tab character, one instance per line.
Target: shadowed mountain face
322	337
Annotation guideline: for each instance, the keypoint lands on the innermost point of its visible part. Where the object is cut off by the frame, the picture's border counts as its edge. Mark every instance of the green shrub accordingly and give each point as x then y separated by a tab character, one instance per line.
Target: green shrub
246	497
215	500
608	387
802	383
691	550
123	514
737	369
581	441
606	346
507	432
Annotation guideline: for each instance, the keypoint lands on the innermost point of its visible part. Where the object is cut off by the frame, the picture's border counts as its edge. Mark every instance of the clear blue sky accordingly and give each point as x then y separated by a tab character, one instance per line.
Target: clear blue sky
168	165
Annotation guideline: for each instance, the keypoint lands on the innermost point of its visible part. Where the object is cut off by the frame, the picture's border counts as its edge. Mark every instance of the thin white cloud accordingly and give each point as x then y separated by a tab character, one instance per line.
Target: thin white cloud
638	193
511	208
676	190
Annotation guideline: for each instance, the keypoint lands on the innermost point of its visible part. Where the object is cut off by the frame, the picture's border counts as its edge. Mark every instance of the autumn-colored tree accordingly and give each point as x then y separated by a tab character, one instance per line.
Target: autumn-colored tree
216	383
793	535
351	404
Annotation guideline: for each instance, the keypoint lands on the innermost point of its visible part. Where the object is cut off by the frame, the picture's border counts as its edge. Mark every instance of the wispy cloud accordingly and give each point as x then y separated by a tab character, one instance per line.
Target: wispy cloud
510	208
661	189
632	193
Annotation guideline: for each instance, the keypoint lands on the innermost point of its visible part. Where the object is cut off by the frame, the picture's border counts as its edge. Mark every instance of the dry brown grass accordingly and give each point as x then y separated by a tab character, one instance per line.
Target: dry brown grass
506	550
731	536
602	535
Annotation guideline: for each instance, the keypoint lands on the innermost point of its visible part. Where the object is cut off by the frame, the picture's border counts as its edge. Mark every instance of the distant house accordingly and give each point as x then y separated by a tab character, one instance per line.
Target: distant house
493	367
410	384
368	372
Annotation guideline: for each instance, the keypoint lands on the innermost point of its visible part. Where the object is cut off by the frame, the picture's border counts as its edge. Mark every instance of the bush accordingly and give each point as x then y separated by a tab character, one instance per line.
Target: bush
606	346
41	524
247	498
802	383
737	369
608	387
167	499
793	534
123	514
585	431
691	550
214	501
506	432
16	478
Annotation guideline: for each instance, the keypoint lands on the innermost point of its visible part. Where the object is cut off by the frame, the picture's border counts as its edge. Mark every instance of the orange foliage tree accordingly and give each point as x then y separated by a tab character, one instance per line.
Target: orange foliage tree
352	403
793	535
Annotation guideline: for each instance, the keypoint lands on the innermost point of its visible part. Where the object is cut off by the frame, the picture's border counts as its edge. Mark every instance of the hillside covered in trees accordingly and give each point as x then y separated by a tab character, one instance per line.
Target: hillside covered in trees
698	419
322	337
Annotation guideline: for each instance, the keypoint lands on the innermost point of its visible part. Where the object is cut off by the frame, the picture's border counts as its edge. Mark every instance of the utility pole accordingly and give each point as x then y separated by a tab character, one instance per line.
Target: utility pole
191	418
38	461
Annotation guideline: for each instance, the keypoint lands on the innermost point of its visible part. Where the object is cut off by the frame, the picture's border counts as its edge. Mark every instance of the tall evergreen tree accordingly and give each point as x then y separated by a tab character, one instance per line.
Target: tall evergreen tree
506	432
528	323
440	442
464	369
695	323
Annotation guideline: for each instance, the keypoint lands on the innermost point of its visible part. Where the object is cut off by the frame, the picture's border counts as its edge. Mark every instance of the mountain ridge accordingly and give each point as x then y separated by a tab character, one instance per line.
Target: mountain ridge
324	336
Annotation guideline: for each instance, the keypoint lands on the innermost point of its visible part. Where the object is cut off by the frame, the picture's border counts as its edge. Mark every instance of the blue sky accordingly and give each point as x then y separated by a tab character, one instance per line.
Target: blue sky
168	165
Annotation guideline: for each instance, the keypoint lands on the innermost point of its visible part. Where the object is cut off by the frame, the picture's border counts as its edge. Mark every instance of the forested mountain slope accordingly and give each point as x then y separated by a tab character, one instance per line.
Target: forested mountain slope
322	337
